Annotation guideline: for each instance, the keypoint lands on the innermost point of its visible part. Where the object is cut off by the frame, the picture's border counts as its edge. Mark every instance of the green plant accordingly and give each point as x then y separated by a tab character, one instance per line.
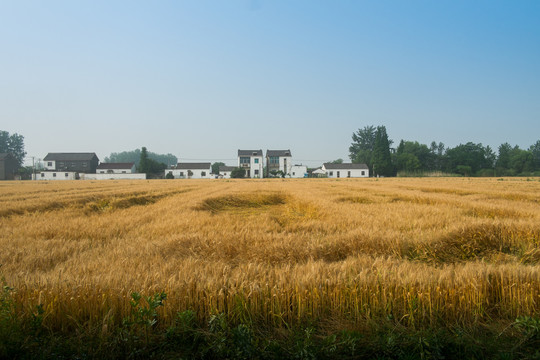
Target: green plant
143	315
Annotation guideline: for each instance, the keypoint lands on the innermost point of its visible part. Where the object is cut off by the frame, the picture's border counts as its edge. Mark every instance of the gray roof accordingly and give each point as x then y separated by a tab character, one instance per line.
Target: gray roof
250	152
226	168
194	166
116	165
278	153
345	166
70	157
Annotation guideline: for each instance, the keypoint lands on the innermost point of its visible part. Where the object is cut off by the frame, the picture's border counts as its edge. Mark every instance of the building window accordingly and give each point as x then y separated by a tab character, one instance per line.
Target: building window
110	171
256	172
42	174
331	173
363	173
203	173
337	173
101	171
67	174
181	173
54	175
49	163
274	159
244	160
293	173
256	161
348	174
123	172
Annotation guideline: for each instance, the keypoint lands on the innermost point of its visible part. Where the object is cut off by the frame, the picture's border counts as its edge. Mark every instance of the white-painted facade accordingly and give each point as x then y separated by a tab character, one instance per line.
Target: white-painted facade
123	170
193	173
225	172
56	175
345	170
111	176
49	165
298	171
252	163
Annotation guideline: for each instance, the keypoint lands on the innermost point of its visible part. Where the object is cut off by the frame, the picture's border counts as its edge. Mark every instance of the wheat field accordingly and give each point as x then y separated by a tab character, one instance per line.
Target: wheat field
276	252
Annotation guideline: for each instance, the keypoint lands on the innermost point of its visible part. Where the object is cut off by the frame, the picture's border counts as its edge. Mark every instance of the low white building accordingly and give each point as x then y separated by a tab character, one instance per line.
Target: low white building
225	171
116	168
56	175
191	171
298	171
345	170
252	162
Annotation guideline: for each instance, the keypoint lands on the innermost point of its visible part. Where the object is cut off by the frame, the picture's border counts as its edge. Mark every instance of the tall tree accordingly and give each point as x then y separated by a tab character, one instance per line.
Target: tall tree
215	167
382	159
13	144
143	161
468	156
361	149
135	156
535	151
503	160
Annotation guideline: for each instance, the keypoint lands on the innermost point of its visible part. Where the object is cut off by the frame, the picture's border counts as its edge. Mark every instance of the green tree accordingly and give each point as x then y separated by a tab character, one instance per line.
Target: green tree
149	166
382	159
521	161
361	149
465	156
238	173
135	156
337	161
13	144
535	152
503	160
215	167
413	156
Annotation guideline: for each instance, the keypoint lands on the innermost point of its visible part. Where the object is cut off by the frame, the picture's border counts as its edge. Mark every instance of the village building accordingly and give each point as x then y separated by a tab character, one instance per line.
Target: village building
225	171
278	161
191	171
252	162
345	170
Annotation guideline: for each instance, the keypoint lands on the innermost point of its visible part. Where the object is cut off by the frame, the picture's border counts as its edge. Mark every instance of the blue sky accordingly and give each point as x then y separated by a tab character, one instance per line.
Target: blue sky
200	79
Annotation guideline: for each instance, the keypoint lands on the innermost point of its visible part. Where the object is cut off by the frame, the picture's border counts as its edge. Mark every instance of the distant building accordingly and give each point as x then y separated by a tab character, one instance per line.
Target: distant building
252	162
71	162
116	168
345	170
8	166
225	171
191	171
57	175
278	160
298	171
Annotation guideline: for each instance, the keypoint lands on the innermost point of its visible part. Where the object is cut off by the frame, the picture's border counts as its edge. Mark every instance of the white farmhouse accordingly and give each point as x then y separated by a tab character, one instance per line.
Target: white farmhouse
57	175
252	162
116	168
345	170
225	171
191	171
298	171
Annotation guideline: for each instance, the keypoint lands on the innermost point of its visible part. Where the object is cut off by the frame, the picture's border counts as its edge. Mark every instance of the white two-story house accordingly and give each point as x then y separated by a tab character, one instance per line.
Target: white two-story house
252	162
278	160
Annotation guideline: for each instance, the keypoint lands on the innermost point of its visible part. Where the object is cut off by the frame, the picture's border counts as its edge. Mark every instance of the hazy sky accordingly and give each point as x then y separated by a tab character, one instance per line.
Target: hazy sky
200	79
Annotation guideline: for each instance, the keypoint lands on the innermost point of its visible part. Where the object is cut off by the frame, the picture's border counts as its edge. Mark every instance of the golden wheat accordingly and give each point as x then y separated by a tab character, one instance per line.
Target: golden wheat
275	251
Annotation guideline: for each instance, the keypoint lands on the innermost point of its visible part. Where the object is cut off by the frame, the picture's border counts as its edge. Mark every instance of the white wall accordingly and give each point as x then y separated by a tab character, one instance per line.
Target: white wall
343	173
286	170
253	166
116	171
46	165
197	173
113	176
225	174
56	175
298	171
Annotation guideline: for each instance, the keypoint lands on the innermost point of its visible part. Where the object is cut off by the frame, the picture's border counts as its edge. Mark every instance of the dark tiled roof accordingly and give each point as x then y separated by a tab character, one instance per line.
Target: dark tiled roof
193	166
250	152
70	157
345	166
226	168
278	153
115	165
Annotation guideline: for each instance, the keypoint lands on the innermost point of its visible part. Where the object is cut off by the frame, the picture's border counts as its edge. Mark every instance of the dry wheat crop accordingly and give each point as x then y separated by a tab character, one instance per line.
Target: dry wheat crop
421	251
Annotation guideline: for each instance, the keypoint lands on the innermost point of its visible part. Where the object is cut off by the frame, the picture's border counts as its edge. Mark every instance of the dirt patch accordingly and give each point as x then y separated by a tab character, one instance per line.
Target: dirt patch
238	202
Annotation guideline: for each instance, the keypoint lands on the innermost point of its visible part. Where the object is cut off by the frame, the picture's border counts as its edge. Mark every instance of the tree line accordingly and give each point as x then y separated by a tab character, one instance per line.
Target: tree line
371	145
